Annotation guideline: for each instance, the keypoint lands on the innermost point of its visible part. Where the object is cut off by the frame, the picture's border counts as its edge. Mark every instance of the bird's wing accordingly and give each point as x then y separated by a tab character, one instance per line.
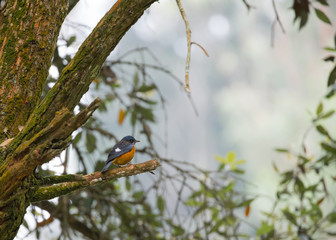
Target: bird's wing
118	151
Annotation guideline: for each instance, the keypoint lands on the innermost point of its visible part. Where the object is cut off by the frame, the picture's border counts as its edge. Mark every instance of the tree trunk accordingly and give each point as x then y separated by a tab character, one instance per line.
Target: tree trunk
33	131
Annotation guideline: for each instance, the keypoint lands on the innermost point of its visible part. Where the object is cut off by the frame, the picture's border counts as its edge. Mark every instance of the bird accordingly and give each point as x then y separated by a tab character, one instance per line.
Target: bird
121	153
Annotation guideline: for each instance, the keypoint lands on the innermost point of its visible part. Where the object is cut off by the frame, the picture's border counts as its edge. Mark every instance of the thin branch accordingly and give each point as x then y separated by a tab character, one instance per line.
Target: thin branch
101	131
278	17
188	32
277	20
201	47
73	222
146	65
80	182
248	6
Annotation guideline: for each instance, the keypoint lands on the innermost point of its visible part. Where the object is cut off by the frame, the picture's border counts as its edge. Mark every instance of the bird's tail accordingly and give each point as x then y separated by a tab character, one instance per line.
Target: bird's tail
106	166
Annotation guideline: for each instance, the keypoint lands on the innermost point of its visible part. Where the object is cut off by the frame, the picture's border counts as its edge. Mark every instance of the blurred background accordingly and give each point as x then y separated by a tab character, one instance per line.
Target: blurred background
254	92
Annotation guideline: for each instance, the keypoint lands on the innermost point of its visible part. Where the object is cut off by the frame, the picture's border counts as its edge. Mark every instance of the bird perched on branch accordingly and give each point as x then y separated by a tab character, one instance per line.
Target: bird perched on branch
122	153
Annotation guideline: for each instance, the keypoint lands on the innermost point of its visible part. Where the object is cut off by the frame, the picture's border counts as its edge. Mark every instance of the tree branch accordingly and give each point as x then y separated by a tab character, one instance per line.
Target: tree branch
44	146
188	32
77	76
80	182
50	180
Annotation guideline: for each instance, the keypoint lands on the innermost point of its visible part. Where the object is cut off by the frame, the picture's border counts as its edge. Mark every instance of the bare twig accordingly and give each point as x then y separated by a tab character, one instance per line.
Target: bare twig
278	17
277	20
188	32
201	47
248	6
101	131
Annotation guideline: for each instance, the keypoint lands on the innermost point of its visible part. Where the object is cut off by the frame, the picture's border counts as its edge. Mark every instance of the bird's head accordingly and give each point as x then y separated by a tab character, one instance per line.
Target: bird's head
130	139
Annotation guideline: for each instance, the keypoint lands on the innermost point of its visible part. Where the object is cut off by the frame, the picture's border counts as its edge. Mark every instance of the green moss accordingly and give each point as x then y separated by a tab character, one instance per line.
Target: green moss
10	54
14	211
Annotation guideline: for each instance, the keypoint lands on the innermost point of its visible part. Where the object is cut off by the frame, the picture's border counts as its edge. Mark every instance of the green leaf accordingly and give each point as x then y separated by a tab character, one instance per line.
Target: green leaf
290	216
178	231
245	203
136	79
282	150
192	203
220	159
160	203
321	15
265	229
231	156
138	195
332	217
217	226
304	159
329	58
99	165
323	2
133	118
201	209
332	77
102	107
128	185
151	102
322	130
286	176
90	142
25	224
146	88
77	138
315	212
299	186
71	41
276	169
328	114
319	109
214	213
230	160
328	148
146	113
331	49
301	11
331	93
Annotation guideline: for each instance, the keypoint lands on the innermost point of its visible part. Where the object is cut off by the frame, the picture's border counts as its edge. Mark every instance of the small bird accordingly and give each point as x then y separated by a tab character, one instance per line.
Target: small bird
122	153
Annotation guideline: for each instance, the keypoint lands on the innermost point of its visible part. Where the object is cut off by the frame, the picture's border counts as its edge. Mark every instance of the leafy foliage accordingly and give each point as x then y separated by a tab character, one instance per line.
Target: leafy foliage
304	198
302	10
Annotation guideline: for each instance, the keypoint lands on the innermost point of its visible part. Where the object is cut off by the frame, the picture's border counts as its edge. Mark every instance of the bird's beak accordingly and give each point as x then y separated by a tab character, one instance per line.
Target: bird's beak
137	140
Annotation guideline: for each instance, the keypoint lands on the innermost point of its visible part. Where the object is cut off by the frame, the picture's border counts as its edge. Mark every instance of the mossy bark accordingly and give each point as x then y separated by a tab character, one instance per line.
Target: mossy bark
36	131
28	36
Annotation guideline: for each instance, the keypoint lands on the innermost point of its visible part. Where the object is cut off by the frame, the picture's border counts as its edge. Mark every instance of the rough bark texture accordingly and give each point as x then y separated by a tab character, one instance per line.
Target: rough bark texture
32	132
28	35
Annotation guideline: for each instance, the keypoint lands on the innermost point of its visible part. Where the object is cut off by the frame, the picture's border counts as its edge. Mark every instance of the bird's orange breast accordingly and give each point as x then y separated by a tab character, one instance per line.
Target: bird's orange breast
125	158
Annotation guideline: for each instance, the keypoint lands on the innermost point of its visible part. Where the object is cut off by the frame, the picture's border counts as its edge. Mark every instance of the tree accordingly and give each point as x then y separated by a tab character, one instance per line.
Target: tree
33	131
38	123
